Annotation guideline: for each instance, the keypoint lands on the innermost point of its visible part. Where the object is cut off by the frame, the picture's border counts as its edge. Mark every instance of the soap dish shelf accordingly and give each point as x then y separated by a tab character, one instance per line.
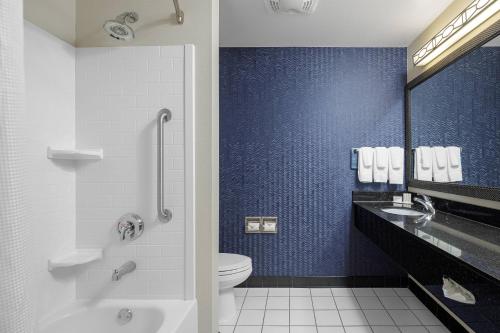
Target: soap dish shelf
75	154
75	257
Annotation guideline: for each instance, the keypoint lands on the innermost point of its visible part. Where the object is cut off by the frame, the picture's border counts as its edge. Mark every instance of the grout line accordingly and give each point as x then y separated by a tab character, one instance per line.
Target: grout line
314	313
336	308
265	311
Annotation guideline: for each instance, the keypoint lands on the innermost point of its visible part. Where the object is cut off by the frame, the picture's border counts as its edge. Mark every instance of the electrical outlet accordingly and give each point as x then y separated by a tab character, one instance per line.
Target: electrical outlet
252	224
269	225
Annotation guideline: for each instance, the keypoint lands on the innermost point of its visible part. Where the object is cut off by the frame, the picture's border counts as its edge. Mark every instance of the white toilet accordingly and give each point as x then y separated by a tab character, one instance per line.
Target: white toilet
233	270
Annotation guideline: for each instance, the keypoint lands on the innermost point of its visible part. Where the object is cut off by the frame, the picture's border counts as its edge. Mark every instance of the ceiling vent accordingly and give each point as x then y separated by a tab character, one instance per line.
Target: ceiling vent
292	6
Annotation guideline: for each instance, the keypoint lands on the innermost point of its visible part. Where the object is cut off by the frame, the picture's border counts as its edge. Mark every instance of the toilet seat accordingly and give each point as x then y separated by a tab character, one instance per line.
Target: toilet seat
231	264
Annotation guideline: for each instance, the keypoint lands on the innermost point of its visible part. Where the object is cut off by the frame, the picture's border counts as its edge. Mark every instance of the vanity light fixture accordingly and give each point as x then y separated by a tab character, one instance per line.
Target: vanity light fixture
471	17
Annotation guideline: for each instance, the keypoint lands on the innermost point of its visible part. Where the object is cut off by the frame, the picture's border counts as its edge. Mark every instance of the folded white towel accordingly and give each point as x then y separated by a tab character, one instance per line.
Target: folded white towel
423	164
381	165
365	164
426	157
454	164
396	168
440	165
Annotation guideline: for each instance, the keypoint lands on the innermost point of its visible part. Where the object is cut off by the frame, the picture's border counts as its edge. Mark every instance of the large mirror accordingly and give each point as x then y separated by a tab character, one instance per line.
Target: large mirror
456	114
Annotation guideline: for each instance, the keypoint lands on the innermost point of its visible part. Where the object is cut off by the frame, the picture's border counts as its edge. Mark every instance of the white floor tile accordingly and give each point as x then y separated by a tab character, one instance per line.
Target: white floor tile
282	292
342	292
239	301
413	303
251	317
300	292
371	310
392	303
385	329
231	321
358	329
346	303
276	329
378	317
363	292
325	329
384	292
240	291
413	329
277	317
437	329
226	329
321	292
302	317
403	292
301	303
257	292
323	303
278	303
426	317
353	318
254	303
404	317
327	318
369	302
248	329
303	329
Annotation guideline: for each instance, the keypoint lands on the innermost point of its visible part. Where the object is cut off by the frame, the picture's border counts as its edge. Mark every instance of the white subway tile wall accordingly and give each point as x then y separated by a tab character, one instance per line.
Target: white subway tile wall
119	92
50	110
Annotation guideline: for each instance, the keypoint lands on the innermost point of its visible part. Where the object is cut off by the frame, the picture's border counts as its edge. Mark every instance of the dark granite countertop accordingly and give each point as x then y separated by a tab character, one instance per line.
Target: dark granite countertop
476	244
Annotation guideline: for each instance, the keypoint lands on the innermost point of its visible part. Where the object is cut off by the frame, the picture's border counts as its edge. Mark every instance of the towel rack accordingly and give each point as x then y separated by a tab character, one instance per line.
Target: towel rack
179	14
164	215
461	149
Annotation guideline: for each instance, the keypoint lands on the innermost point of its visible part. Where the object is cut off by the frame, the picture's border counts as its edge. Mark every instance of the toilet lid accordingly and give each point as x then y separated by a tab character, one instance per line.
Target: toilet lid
231	262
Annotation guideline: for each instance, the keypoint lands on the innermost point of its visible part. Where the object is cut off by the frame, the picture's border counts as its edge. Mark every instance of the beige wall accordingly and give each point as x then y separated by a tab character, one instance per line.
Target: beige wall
157	26
57	17
449	14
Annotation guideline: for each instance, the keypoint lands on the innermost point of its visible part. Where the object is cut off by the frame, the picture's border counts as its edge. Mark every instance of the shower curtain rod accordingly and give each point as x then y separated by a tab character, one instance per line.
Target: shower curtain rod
179	14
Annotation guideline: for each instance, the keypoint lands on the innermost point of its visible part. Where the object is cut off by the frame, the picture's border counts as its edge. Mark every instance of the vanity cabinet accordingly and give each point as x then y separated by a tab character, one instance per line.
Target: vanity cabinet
428	263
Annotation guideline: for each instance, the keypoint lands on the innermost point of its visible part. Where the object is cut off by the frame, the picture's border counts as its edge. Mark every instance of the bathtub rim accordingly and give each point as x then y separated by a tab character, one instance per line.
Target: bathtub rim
182	307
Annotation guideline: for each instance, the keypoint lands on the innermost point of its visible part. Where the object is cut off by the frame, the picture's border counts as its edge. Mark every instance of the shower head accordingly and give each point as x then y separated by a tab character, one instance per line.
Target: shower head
119	28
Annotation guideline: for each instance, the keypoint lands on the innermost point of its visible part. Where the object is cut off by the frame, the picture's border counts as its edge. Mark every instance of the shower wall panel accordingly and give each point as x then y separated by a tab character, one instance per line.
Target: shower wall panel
50	109
119	93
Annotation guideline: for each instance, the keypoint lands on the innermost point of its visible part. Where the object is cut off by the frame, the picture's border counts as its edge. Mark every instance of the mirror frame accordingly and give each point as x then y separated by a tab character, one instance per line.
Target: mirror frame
487	193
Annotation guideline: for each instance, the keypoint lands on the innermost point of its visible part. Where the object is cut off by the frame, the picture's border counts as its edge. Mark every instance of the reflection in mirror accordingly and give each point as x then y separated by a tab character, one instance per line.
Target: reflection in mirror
460	106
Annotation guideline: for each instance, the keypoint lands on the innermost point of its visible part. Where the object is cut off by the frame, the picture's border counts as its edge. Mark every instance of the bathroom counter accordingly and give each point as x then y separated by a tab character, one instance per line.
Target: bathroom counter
476	244
466	251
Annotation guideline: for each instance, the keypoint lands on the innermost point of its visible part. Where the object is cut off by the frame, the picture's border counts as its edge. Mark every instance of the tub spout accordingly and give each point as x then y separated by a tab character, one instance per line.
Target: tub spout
126	268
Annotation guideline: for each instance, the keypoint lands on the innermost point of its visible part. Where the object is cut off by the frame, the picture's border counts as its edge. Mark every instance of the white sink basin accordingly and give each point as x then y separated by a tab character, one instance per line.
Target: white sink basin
402	211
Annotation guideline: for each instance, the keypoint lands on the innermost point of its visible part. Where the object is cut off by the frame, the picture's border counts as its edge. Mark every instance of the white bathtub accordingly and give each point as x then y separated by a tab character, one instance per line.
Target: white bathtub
152	316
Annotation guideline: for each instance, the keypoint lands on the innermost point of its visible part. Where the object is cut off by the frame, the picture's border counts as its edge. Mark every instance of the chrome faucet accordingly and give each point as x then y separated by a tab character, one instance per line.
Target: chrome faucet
130	226
427	203
126	268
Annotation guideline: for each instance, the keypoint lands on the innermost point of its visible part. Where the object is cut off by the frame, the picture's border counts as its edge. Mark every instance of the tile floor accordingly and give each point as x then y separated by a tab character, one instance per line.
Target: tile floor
331	310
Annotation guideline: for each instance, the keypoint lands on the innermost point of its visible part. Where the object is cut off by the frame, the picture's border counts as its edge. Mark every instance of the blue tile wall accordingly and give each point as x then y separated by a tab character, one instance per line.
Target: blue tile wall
461	106
288	119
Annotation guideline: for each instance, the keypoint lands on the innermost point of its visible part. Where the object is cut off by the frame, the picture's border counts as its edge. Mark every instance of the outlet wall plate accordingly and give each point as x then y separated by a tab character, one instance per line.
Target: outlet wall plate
253	224
269	225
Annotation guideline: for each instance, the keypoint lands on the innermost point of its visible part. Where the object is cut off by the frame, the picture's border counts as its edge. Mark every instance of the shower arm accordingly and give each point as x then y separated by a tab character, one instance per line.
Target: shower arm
179	14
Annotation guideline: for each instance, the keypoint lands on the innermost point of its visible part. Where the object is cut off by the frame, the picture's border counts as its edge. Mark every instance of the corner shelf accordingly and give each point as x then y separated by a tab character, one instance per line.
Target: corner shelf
75	154
75	257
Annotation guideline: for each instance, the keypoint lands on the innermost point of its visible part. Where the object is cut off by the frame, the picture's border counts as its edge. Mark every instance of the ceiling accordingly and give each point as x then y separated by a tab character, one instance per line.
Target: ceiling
352	23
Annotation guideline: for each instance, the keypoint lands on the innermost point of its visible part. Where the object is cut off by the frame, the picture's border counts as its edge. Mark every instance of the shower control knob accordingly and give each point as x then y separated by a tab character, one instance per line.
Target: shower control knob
130	226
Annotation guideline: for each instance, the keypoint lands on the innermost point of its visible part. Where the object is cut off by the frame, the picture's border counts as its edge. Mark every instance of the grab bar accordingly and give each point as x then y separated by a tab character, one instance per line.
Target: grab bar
164	215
